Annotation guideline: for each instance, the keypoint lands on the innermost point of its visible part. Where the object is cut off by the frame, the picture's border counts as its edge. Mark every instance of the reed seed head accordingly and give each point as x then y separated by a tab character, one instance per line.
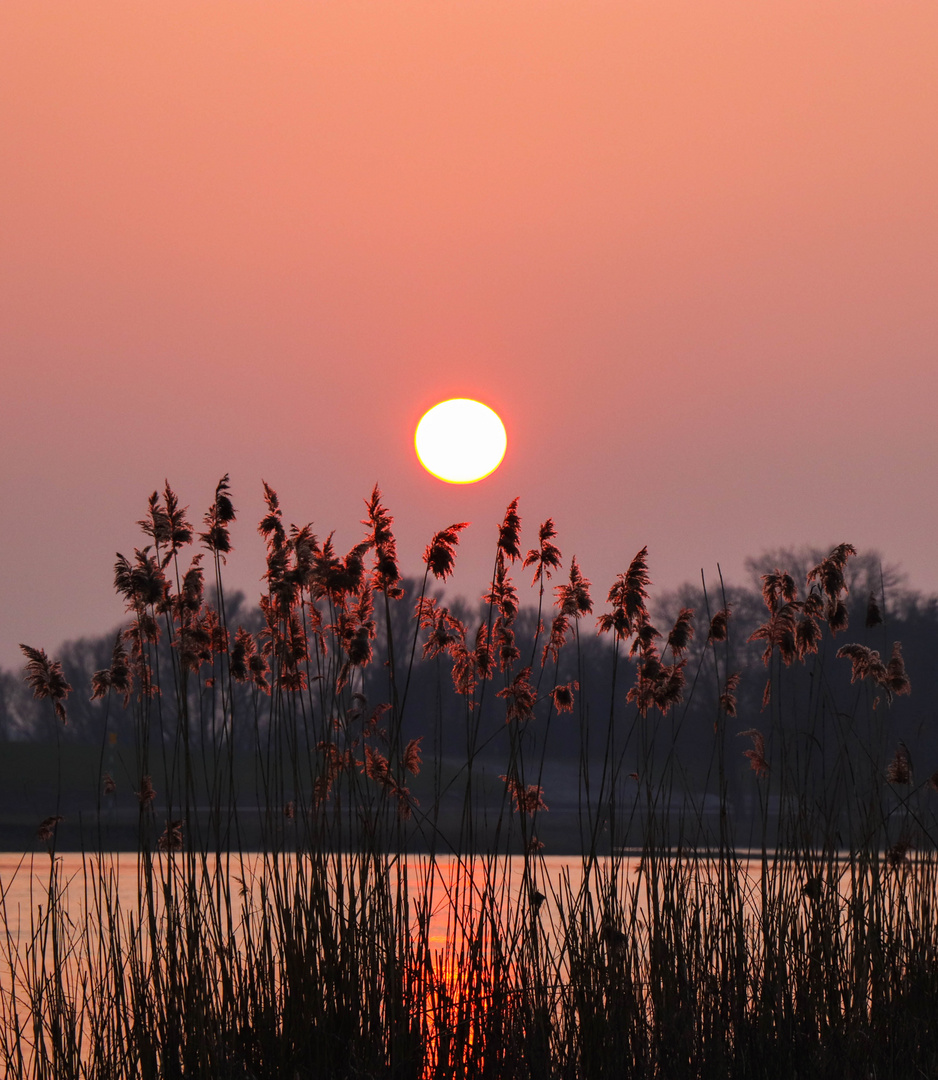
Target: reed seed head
681	633
728	697
520	696
778	587
574	597
46	679
171	837
545	558
147	792
412	756
628	596
526	800
756	755
440	555
719	625
563	696
47	827
218	516
899	770
556	639
509	532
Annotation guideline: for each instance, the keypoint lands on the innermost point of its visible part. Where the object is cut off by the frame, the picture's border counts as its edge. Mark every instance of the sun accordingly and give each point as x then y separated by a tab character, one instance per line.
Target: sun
460	441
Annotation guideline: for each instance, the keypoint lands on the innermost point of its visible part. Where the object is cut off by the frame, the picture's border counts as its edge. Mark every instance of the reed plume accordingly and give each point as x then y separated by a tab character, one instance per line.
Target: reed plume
166	524
896	681
867	664
192	590
563	696
719	625
557	638
628	597
334	762
466	669
440	555
482	652
246	663
756	755
502	593
386	572
217	519
546	557
829	574
411	756
526	799
509	532
728	696
657	684
171	837
147	792
142	582
47	827
445	631
779	633
778	587
683	630
899	770
807	628
119	677
46	679
573	598
520	696
376	766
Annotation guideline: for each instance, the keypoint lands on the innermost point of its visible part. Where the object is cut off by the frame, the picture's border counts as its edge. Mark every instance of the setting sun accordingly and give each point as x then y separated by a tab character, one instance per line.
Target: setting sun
460	441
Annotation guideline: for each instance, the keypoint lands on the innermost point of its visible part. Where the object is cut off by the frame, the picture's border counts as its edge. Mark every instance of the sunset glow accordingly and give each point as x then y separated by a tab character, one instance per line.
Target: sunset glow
460	441
445	757
266	238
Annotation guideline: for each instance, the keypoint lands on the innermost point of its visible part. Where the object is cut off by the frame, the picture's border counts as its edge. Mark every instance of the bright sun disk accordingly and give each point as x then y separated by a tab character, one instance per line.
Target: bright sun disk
460	441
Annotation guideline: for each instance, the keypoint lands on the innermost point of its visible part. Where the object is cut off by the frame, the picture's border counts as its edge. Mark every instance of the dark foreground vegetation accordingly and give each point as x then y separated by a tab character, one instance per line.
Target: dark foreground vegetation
343	805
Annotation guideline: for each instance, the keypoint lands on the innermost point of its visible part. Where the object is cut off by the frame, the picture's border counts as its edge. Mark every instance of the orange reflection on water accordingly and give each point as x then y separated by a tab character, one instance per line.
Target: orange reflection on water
474	960
475	931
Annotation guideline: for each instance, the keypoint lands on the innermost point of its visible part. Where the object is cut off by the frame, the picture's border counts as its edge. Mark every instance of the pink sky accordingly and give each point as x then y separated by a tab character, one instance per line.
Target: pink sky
688	251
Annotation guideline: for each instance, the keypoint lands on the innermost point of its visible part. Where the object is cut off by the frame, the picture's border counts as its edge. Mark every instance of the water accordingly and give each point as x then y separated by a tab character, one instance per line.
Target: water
442	916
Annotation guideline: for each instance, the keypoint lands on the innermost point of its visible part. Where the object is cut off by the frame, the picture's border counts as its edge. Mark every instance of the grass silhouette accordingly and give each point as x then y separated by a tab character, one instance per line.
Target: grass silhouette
375	932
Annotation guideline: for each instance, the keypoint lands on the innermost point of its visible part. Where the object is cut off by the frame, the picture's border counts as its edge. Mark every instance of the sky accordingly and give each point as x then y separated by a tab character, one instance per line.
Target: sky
688	251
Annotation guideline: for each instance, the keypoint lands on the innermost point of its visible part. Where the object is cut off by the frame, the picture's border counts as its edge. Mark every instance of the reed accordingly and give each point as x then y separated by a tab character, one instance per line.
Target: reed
363	903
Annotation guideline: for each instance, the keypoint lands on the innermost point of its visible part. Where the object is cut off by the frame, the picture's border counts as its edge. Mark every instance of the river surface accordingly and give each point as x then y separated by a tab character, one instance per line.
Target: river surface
439	891
439	904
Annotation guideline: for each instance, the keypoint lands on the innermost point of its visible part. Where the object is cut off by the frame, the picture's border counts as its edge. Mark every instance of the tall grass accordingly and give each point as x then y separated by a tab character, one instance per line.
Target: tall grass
366	905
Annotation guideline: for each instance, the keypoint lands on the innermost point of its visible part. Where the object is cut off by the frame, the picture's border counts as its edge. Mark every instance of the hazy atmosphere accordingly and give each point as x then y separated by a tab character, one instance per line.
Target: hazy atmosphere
687	252
428	353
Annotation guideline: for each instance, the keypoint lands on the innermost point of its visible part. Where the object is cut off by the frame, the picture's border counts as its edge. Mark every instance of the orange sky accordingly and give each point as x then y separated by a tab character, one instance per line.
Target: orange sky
688	251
